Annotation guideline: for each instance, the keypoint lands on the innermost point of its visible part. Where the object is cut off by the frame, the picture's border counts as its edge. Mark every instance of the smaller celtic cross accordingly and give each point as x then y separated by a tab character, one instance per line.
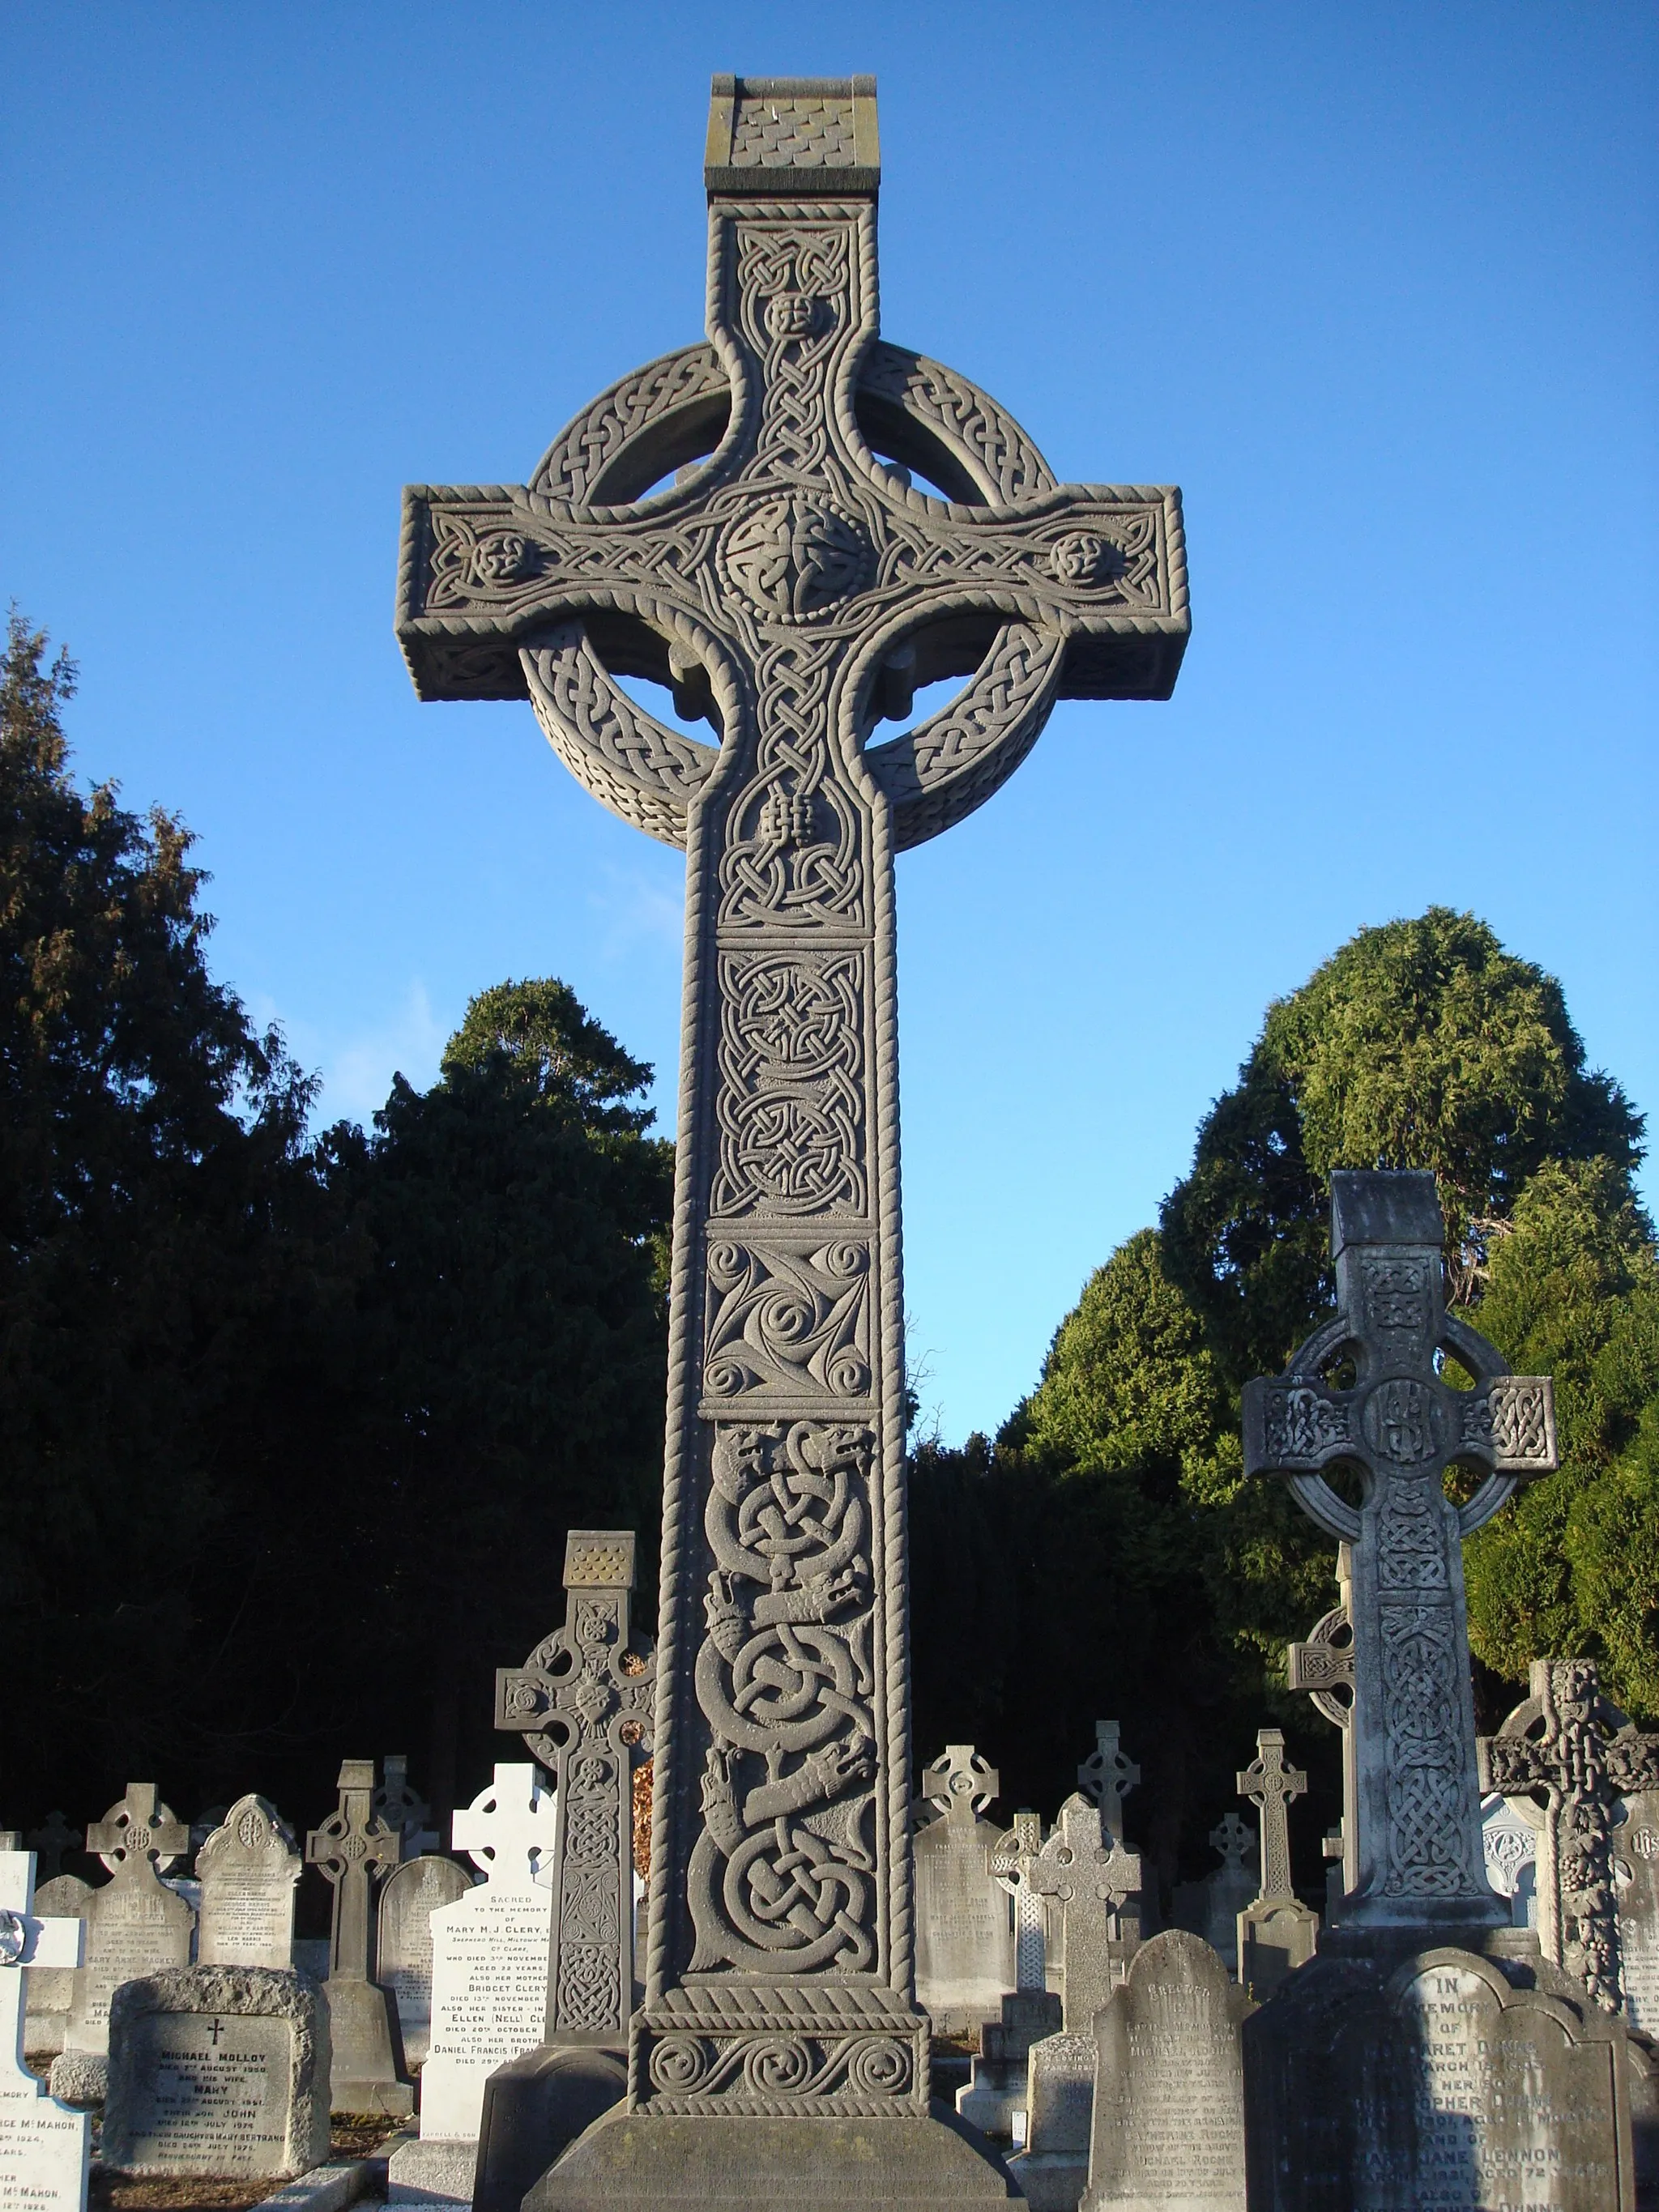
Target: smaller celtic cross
1011	1861
1568	1743
353	1848
1366	1393
1107	1776
1233	1839
1323	1667
403	1808
1093	1879
138	1832
582	1702
962	1782
509	1829
1272	1788
50	1843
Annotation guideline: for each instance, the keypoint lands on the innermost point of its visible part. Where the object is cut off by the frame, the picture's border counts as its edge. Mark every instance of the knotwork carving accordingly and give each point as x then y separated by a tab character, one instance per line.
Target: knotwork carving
781	1875
785	1322
792	1070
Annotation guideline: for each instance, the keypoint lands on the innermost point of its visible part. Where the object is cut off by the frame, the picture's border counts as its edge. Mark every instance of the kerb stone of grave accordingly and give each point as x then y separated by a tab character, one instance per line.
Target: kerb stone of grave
134	1925
247	1868
1277	1933
1574	1755
352	1848
44	2145
489	1954
1168	2125
218	2071
964	1935
793	585
50	1990
410	1896
1430	2052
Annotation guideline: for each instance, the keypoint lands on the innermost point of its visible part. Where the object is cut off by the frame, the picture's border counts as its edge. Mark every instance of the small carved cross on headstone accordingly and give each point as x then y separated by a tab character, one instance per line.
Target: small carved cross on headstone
1011	1862
1568	1746
50	1842
1400	1424
582	1702
1322	1665
1093	1879
353	1849
138	1829
1107	1776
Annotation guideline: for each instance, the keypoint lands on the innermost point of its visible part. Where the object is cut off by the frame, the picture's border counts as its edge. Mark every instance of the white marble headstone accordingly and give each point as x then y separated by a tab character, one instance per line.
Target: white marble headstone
1509	1844
44	2145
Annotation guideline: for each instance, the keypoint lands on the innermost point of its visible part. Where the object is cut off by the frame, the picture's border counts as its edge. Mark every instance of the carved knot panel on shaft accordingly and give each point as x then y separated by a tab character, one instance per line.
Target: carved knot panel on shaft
793	587
1397	1425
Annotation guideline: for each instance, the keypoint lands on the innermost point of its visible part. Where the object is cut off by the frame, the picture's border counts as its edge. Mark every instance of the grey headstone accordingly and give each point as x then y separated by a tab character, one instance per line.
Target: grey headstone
1416	1839
50	1990
410	1896
779	586
352	1848
1322	1666
1636	1842
44	2146
402	1808
50	1841
247	1868
1107	1776
1168	2127
1210	1908
996	2086
1051	2172
1093	1884
965	1932
218	2070
136	1924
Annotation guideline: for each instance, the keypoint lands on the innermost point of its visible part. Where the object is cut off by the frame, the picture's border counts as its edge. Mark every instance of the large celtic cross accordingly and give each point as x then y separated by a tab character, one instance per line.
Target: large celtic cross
1366	1392
724	521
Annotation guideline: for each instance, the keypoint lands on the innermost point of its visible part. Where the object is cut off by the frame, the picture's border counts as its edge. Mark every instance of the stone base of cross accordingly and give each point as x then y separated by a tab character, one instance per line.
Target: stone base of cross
45	2147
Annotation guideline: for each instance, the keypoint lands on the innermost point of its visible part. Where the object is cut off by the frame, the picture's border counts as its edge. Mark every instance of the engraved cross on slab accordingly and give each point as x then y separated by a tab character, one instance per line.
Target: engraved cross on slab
353	1849
1567	1743
582	1703
740	521
1398	1425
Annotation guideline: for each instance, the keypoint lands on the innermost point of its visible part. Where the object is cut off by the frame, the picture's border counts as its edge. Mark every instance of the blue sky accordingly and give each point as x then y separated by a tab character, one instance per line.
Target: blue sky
1375	285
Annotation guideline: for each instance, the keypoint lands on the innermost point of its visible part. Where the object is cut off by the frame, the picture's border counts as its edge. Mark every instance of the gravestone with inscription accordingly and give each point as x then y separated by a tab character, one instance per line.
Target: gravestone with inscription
1168	2126
1574	1755
793	587
1636	1842
1509	1844
247	1868
352	1848
218	2071
1430	2055
489	1954
964	1934
50	1990
410	1896
136	1924
44	2145
1276	1932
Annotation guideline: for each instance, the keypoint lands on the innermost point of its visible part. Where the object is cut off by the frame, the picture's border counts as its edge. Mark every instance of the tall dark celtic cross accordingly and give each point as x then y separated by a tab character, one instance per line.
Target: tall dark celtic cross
795	588
1366	1392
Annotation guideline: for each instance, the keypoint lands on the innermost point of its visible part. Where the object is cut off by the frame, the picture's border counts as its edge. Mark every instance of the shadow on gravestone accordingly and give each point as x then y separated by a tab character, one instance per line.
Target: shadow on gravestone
410	1896
218	2072
50	1990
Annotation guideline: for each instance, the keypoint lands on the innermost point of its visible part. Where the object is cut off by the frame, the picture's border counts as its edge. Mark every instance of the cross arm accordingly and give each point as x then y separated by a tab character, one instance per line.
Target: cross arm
1633	1761
1512	1765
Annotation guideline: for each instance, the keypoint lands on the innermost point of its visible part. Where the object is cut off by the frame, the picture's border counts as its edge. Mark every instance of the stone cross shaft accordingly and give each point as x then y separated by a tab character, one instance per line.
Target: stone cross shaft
793	587
1092	1878
1568	1743
353	1849
1399	1425
1272	1788
1107	1776
582	1702
1011	1861
26	1940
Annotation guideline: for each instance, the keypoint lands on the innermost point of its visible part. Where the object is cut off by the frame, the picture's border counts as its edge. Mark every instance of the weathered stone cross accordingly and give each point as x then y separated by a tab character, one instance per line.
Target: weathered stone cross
1272	1788
962	1782
793	587
1084	1867
1323	1667
1107	1776
138	1834
1569	1742
1012	1860
352	1848
1399	1424
582	1703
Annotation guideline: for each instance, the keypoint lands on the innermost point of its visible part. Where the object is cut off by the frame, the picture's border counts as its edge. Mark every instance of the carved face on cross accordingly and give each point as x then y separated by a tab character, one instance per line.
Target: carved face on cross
1366	1393
740	520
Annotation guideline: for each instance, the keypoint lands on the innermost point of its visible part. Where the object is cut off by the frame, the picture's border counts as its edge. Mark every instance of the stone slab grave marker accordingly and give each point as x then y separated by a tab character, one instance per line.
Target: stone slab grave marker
1276	1932
793	587
134	1925
410	1895
352	1848
247	1867
996	2085
220	2071
50	1990
44	2145
1636	1842
1569	1756
964	1941
1429	2054
1168	2125
1322	1666
1509	1844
